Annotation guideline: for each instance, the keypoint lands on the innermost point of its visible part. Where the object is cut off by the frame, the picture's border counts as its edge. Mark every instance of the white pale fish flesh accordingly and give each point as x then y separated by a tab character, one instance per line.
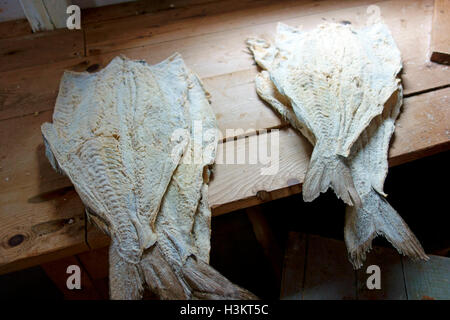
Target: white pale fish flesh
368	165
337	79
113	136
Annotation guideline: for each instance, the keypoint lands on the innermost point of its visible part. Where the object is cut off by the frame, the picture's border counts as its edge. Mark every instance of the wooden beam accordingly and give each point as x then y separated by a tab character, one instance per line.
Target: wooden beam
440	36
266	238
292	282
45	15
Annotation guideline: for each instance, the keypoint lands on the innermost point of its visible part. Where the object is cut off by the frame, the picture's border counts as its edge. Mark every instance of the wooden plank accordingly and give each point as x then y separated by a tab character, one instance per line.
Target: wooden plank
292	281
427	280
391	272
161	27
14	28
440	36
219	46
329	275
21	94
45	15
57	271
40	48
228	69
134	8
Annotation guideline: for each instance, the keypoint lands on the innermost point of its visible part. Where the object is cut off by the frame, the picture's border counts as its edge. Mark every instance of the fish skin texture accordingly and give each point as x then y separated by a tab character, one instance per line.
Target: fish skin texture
112	135
368	163
337	80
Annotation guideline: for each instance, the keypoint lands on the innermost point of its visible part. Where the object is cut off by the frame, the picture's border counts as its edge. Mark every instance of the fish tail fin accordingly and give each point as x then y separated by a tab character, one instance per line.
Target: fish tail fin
206	283
125	280
330	171
377	217
193	279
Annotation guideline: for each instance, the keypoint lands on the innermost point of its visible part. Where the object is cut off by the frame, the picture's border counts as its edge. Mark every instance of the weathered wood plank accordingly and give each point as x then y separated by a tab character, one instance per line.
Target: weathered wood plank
134	8
40	48
427	280
228	69
14	28
214	17
440	36
213	52
292	281
391	272
329	275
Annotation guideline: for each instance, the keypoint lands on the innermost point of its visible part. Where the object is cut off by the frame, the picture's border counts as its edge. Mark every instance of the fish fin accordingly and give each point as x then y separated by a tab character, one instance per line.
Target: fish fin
377	217
193	279
161	277
329	171
206	283
125	280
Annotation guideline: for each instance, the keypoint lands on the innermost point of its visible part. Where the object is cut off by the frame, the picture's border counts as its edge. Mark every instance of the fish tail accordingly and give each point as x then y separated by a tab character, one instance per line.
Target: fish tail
125	280
193	279
206	283
329	171
377	217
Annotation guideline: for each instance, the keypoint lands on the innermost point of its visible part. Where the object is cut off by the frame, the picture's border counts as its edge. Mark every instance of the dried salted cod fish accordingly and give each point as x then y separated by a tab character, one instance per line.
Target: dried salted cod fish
369	165
337	80
112	136
183	223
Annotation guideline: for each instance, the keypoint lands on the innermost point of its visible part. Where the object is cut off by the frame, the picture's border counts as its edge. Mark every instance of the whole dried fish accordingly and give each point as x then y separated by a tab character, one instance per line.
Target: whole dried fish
112	135
368	164
337	80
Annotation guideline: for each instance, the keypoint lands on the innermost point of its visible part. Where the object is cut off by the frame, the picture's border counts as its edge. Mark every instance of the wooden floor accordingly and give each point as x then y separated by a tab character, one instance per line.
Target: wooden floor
42	218
316	268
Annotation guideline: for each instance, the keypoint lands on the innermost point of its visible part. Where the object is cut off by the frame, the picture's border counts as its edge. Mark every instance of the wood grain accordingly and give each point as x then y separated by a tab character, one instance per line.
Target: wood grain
440	36
14	28
428	281
40	48
214	17
329	274
227	68
134	8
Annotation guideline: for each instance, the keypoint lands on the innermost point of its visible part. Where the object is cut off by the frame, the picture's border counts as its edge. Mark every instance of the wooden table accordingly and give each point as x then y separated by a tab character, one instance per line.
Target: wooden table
41	216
